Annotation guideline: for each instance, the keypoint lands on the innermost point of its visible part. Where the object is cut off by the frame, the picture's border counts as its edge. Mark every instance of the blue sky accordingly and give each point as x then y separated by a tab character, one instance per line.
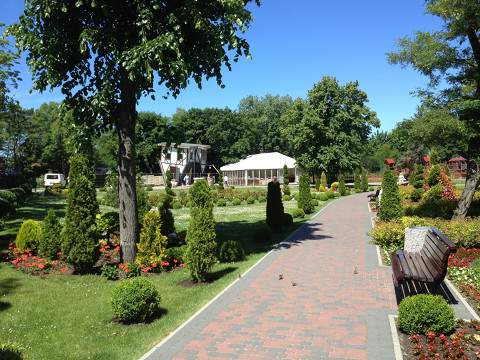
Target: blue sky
294	44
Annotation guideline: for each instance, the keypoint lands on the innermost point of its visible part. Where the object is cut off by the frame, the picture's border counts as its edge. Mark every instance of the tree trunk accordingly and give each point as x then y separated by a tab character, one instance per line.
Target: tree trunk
127	193
471	183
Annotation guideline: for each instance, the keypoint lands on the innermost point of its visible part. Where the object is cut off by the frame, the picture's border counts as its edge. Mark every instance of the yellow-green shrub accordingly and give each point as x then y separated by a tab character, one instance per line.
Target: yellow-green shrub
29	235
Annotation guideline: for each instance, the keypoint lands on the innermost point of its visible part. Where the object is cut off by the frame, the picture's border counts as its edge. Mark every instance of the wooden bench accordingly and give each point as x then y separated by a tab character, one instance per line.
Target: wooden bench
428	266
374	197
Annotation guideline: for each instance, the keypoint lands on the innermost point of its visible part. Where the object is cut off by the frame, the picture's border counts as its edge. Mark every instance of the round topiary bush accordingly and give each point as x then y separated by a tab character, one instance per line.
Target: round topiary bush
298	213
236	202
423	313
251	200
135	300
29	236
231	251
262	233
287	219
286	198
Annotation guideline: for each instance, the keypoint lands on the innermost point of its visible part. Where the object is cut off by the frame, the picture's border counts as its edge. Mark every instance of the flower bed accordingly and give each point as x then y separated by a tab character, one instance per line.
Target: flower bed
465	274
463	343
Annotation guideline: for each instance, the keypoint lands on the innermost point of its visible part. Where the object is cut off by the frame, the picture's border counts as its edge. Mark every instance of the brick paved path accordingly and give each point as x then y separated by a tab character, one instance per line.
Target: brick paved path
337	310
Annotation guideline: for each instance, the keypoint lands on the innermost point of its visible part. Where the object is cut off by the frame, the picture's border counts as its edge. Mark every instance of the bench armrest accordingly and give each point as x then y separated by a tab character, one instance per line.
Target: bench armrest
444	239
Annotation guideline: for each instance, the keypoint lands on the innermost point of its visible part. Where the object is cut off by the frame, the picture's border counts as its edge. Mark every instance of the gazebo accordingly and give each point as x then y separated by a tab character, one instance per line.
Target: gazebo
259	169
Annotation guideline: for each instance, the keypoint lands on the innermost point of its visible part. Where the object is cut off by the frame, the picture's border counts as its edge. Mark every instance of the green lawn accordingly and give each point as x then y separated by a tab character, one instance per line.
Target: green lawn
65	316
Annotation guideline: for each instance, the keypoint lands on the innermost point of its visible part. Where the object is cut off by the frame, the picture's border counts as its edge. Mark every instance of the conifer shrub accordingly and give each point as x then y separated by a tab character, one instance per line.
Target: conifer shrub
286	187
417	176
29	236
220	181
274	206
135	300
221	203
108	223
168	184
304	198
434	175
50	242
364	181
324	180
79	235
357	181
152	244
420	314
391	202
231	251
142	200
318	184
236	202
201	244
166	217
342	189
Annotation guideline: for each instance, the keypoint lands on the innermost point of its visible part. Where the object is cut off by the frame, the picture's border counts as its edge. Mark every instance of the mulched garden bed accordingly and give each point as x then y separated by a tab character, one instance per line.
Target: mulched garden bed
463	343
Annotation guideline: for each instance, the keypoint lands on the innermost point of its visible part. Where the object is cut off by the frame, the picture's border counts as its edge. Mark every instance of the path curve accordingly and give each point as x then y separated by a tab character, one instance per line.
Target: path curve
332	303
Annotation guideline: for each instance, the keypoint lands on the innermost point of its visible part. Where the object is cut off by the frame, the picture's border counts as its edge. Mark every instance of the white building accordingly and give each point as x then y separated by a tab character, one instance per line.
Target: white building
183	159
259	169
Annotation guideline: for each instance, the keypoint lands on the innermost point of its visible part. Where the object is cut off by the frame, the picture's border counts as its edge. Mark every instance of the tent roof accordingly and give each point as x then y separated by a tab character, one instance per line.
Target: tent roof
273	160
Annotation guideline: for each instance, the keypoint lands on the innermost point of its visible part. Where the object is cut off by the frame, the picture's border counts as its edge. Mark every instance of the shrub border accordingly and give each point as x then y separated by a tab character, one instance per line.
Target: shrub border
288	240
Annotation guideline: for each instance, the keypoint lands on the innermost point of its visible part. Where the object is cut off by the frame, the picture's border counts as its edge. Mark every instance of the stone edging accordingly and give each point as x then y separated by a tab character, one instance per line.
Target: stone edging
397	349
191	318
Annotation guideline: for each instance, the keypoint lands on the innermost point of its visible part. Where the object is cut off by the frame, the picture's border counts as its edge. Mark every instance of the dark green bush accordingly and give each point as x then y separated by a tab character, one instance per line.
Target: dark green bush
142	200
152	244
236	202
391	201
79	235
29	236
286	188
20	194
298	213
231	251
166	217
364	181
135	300
10	197
9	351
176	205
176	253
108	223
262	233
50	242
262	199
314	202
323	196
221	203
434	175
304	197
420	314
110	271
416	194
6	208
201	244
287	220
357	181
111	190
274	206
416	179
251	200
342	189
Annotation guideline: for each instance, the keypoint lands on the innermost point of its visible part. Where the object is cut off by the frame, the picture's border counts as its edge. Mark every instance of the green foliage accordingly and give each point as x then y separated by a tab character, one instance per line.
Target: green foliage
221	203
142	201
262	199
6	208
434	175
10	197
285	198
330	128
111	190
29	236
166	216
342	189
416	194
20	194
236	202
420	314
251	200
262	233
314	202
231	251
152	244
287	220
107	223
298	213
416	179
50	242
388	235
201	245
10	351
318	184
390	202
286	187
274	206
135	300
324	179
176	205
176	253
304	198
220	180
323	196
364	186
357	180
79	243
110	271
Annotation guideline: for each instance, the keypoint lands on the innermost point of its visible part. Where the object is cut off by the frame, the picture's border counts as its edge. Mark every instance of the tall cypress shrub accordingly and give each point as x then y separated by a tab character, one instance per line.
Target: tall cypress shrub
274	206
357	181
79	235
417	176
304	197
166	217
364	181
324	179
168	184
201	244
50	242
342	189
390	202
286	187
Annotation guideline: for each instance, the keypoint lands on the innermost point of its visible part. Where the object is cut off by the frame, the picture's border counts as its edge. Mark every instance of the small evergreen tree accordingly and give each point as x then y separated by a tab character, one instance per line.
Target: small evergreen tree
390	202
357	181
304	197
318	183
50	243
152	244
79	235
324	179
342	189
417	176
364	181
166	217
220	180
168	183
274	206
201	244
286	187
434	175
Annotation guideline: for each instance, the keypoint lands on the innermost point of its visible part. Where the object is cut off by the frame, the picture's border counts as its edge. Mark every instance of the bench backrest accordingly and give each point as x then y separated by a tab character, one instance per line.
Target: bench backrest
435	252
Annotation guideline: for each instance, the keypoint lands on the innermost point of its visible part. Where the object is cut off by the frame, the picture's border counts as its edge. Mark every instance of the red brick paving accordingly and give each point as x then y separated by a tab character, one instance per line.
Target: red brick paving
326	315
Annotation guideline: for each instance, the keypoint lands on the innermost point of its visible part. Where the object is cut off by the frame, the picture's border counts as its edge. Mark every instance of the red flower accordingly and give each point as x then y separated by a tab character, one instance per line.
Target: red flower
41	266
443	337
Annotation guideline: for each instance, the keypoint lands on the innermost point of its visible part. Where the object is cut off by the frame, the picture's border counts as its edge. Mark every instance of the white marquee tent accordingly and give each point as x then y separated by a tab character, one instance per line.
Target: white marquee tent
259	169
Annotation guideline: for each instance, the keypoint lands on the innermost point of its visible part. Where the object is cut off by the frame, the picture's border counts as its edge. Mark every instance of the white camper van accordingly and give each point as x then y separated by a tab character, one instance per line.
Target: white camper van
51	179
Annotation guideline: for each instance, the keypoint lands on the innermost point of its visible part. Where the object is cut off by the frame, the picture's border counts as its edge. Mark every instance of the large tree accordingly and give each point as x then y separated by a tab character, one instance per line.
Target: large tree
9	75
106	54
450	58
330	129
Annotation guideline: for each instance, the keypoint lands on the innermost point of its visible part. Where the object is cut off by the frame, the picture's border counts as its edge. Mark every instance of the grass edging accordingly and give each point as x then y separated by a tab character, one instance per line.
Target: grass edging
229	286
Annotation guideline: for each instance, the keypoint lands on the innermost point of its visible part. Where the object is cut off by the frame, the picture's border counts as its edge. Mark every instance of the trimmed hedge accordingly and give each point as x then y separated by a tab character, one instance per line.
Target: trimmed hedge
420	314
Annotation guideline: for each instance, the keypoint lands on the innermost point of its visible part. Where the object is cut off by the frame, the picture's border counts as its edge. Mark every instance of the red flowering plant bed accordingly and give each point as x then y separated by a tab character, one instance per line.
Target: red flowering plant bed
464	272
30	263
109	250
463	343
